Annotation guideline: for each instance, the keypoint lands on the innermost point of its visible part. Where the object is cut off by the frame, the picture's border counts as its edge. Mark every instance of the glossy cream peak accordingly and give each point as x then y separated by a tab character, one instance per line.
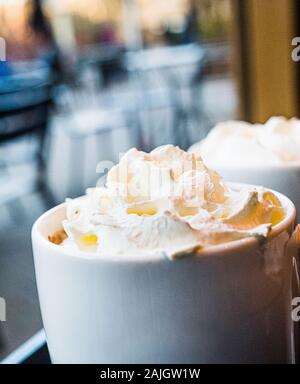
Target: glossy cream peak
237	143
167	202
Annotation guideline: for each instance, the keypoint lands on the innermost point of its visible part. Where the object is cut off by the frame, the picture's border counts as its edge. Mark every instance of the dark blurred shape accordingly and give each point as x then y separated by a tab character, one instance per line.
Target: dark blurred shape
110	68
43	37
190	33
39	23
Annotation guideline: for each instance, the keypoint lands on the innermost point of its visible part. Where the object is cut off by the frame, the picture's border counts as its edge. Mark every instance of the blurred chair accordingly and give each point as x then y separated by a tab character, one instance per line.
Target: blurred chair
25	99
164	76
106	60
154	112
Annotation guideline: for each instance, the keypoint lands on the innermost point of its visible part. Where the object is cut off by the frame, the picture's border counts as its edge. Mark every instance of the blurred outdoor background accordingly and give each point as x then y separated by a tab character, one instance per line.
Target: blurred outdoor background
84	80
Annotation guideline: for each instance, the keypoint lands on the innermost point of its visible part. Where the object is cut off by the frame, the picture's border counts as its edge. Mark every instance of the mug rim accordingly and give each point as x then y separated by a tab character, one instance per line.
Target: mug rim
212	250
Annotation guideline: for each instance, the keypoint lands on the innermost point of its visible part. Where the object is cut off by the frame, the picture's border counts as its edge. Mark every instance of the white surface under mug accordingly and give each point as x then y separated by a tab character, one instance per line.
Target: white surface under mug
229	304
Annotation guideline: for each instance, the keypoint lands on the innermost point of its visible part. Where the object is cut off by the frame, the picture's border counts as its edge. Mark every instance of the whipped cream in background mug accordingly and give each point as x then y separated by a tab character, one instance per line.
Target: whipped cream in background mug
238	144
261	154
112	290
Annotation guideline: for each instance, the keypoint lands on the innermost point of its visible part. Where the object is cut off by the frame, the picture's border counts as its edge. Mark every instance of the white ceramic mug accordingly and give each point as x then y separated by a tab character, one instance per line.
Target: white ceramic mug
229	304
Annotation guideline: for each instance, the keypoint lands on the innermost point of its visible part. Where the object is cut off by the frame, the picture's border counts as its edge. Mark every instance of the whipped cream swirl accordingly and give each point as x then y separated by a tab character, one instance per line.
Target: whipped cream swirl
167	202
237	143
